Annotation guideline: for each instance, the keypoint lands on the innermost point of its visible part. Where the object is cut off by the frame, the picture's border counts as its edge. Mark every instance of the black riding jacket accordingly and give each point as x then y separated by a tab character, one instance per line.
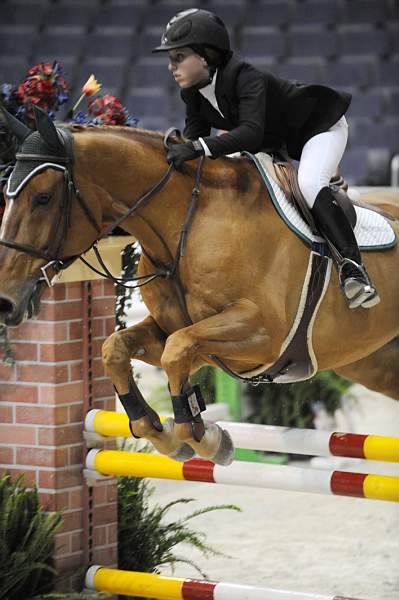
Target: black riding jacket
262	112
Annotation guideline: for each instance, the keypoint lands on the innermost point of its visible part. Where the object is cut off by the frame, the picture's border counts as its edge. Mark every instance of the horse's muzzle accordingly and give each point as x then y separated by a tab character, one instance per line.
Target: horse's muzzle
7	310
13	313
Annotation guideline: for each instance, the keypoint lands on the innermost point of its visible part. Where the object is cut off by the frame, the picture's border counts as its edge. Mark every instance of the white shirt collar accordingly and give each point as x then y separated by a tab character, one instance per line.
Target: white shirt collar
209	93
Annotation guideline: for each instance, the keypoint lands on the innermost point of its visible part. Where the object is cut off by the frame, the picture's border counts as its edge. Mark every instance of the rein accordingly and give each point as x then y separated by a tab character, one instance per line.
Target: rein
64	220
51	255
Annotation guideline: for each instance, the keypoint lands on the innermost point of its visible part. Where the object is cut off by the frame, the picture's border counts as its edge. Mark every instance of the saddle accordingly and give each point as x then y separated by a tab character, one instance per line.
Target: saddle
284	173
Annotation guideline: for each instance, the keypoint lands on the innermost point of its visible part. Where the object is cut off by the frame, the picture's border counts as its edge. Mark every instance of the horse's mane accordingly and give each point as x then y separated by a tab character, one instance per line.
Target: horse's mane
154	138
216	172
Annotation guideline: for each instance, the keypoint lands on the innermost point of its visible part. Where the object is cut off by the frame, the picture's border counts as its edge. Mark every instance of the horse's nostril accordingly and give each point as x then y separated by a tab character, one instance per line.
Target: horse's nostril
6	306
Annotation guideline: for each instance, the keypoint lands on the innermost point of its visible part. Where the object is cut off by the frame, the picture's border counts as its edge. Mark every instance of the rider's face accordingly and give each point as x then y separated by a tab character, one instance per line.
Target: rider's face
187	67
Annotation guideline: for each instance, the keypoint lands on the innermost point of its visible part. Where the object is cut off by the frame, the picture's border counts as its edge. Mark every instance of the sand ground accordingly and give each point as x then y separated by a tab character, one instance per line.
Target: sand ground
299	541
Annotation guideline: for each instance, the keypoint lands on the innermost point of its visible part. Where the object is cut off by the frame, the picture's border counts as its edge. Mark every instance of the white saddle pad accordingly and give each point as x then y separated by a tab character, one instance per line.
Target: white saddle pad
372	230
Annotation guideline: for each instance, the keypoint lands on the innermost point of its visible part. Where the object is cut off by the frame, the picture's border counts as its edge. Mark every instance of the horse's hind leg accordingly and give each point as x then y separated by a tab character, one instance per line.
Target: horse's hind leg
235	334
378	371
146	342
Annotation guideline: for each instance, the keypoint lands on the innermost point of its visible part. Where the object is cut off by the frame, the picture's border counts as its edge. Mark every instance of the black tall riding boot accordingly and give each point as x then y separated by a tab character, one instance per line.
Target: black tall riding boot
334	226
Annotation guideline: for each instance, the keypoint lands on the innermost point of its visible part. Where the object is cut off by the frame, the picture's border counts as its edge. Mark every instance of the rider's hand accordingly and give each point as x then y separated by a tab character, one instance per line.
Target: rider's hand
178	153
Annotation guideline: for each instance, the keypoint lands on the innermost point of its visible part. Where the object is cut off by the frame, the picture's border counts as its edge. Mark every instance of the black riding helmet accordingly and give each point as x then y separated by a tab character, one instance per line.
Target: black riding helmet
198	29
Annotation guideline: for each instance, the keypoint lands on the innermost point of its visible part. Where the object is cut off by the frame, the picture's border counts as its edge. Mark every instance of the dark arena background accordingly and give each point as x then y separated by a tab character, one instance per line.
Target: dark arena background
349	44
58	425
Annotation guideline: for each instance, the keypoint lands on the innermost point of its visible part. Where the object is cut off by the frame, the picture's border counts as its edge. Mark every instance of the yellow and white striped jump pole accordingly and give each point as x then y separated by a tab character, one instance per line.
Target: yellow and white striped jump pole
272	438
148	585
138	464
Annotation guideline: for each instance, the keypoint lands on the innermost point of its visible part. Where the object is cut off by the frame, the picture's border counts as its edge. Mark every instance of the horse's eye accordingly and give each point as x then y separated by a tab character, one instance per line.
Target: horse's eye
41	198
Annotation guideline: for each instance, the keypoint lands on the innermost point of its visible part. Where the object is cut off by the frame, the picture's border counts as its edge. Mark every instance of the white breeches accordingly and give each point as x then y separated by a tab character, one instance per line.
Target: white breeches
320	158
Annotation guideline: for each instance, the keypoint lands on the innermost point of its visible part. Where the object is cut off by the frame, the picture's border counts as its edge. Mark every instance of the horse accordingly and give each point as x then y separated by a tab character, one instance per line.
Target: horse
240	274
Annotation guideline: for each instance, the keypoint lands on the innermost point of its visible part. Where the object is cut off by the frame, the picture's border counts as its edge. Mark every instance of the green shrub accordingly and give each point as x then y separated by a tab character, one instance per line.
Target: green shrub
26	542
145	541
292	404
6	351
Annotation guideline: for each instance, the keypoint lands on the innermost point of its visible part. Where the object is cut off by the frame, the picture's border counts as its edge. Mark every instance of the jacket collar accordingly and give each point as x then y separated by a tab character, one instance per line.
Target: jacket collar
225	83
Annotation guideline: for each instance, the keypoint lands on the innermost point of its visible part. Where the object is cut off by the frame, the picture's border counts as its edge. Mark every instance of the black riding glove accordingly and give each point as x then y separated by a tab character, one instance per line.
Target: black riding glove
178	153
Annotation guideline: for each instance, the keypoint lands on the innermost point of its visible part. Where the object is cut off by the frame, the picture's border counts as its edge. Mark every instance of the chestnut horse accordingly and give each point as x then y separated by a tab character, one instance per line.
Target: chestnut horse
242	270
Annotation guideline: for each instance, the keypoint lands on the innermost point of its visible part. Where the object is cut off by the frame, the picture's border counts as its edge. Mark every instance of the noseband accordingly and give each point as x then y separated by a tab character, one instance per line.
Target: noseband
52	254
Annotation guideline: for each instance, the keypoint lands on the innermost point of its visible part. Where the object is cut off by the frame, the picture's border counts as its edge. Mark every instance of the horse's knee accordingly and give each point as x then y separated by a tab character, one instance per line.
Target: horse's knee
115	355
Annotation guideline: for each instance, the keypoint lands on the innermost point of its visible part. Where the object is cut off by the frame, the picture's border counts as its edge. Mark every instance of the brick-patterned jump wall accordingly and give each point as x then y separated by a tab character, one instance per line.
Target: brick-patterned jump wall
43	399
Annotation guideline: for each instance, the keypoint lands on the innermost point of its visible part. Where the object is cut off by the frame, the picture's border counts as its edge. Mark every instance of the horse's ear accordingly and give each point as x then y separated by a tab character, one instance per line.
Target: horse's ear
19	129
46	128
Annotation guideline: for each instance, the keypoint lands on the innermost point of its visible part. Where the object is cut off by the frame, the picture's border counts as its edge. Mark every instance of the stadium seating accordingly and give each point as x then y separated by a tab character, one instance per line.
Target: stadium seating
350	45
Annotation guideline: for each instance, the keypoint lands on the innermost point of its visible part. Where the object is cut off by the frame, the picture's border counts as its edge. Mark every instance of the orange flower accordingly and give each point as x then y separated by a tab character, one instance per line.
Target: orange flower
91	86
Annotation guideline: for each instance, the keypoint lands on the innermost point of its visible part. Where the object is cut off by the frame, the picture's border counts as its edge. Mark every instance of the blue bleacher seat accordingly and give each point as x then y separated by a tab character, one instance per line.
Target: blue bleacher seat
23	13
312	41
59	43
112	42
263	41
367	104
268	13
160	15
358	40
150	70
351	72
350	45
353	165
262	63
315	12
364	11
230	11
302	70
154	123
16	40
376	135
387	72
148	102
13	69
149	38
70	14
129	13
110	72
393	103
393	32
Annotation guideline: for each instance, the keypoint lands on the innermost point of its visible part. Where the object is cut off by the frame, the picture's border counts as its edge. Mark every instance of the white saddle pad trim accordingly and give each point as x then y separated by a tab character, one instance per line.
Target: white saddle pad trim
372	230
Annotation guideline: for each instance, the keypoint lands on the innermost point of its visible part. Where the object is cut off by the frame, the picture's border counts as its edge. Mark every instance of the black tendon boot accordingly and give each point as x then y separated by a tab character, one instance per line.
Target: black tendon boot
334	226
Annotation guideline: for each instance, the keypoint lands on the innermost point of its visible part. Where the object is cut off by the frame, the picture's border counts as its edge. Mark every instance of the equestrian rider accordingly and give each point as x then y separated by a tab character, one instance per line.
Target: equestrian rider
259	111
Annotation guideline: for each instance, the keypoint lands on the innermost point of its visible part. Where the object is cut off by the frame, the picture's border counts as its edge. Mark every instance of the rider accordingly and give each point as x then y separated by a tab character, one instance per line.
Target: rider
259	111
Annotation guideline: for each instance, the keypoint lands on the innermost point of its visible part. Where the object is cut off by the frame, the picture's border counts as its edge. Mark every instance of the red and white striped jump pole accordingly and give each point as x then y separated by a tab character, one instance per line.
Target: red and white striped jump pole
272	438
148	585
138	464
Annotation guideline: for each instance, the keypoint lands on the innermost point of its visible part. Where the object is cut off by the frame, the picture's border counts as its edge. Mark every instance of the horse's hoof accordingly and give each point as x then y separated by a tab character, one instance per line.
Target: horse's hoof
225	452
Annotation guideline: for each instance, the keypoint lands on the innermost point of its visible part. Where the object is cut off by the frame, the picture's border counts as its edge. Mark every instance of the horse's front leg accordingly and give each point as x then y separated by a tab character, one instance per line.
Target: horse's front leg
145	341
237	335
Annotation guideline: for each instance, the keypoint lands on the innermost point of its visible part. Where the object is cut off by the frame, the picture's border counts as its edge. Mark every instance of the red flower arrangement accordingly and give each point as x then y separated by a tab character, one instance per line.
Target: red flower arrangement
44	86
108	110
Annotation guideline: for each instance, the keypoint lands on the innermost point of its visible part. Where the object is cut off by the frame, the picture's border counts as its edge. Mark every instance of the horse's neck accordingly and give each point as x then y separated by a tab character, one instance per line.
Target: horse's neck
122	169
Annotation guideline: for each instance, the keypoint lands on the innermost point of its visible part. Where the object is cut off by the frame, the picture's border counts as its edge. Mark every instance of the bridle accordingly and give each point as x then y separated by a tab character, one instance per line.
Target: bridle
170	272
52	254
